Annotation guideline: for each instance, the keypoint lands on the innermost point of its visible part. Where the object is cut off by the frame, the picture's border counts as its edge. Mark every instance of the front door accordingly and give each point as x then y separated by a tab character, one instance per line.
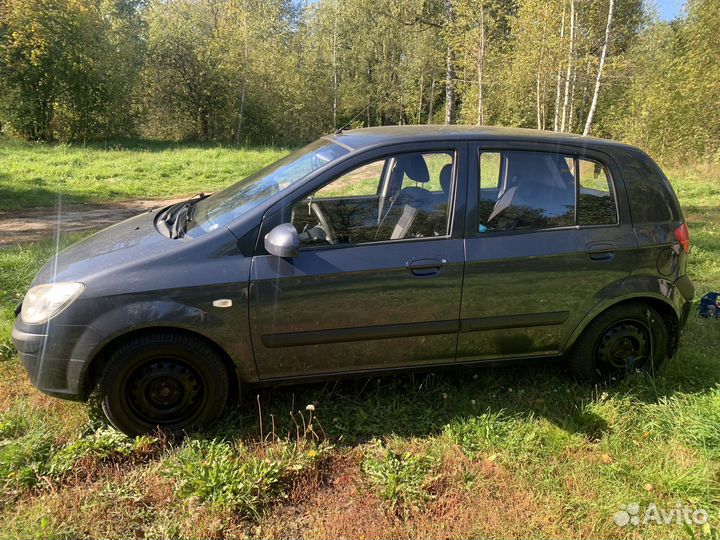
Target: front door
545	244
377	281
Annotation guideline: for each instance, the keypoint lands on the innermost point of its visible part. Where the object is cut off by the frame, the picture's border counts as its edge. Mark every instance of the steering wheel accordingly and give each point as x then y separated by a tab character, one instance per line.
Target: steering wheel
324	223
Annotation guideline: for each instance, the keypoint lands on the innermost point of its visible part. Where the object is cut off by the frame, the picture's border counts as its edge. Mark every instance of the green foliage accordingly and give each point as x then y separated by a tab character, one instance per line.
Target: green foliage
403	480
276	72
23	460
478	434
517	438
67	67
693	421
104	444
219	473
29	450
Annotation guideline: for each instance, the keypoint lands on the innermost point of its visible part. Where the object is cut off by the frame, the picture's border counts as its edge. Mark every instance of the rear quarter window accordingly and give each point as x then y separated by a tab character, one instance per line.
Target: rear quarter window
651	197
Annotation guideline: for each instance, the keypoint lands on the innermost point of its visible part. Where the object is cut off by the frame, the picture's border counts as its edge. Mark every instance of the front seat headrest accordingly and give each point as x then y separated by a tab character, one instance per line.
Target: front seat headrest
414	167
416	196
446	178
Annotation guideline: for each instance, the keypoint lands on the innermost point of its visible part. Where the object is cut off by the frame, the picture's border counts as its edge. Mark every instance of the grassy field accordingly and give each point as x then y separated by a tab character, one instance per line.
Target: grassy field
511	452
35	175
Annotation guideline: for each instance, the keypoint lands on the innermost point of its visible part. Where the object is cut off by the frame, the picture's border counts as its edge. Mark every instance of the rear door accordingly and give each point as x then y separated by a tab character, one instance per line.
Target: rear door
547	238
378	279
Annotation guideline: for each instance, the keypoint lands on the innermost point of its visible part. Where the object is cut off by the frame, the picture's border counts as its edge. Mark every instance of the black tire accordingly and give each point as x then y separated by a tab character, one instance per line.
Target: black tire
625	338
166	381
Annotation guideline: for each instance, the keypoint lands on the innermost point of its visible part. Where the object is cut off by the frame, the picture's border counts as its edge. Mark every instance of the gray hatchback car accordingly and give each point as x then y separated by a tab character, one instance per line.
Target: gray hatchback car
368	251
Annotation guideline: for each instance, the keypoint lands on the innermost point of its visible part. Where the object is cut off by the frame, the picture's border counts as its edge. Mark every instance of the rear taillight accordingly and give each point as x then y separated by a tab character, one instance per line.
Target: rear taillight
682	235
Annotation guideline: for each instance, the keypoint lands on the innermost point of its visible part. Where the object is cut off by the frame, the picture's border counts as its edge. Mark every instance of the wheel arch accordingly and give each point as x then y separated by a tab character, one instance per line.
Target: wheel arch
97	364
659	303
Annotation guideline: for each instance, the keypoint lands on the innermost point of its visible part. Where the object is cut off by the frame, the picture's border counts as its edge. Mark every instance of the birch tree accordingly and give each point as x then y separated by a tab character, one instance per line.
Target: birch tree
450	69
603	54
559	73
481	67
569	72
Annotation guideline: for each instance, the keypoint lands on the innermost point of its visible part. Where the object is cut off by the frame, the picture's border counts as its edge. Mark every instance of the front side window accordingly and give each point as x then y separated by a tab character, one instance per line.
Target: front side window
398	197
527	190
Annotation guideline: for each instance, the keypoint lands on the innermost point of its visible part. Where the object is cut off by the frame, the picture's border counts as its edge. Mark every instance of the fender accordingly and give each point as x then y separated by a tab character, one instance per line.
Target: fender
228	329
633	287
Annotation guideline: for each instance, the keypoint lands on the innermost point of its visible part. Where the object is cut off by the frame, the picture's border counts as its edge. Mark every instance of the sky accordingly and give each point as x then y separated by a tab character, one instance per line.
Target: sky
669	9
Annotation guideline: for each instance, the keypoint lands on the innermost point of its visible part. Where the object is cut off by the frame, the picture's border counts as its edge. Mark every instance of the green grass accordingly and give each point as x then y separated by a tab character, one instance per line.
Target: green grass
502	452
403	480
219	473
37	175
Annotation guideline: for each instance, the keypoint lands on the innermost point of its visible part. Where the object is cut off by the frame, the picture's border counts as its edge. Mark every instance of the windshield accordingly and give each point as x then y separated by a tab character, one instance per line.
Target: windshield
227	205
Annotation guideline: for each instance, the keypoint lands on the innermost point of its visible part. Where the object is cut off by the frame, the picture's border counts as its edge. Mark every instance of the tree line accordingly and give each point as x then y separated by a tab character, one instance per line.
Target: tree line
283	72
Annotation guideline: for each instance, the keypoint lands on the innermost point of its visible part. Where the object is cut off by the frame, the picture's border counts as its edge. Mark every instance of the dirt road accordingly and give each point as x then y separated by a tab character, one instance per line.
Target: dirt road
39	223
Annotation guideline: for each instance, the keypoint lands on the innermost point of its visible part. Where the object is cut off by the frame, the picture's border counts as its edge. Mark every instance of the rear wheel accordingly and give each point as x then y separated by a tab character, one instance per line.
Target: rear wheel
626	338
168	381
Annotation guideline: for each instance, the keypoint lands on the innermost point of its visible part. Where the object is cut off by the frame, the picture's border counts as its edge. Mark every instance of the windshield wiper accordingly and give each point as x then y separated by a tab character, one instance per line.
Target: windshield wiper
174	220
180	222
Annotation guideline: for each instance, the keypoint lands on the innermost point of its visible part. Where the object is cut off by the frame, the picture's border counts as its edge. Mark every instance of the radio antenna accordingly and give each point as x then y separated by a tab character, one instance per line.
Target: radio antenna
346	125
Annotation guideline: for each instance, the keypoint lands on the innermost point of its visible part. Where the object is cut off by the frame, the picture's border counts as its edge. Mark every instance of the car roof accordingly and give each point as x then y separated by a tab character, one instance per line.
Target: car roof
356	139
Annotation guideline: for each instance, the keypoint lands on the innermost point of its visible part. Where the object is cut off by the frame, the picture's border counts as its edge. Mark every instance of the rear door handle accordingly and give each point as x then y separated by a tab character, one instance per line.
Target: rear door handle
425	266
601	251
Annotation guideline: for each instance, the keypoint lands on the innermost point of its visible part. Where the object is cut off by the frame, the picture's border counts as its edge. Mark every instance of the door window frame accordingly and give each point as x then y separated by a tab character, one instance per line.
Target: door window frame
622	211
282	211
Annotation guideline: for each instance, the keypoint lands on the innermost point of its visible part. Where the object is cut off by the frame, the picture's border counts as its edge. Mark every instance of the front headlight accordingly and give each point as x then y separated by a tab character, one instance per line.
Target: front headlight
45	301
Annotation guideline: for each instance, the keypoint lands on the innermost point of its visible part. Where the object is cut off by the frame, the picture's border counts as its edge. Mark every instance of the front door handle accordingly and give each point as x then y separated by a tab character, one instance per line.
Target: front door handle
425	266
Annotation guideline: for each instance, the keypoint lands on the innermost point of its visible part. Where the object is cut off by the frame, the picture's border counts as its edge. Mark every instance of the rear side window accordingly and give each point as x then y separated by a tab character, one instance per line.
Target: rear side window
652	200
596	200
528	190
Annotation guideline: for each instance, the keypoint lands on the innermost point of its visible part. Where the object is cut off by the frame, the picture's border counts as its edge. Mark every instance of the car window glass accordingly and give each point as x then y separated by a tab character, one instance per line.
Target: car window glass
399	197
435	163
596	201
227	205
364	180
490	169
536	191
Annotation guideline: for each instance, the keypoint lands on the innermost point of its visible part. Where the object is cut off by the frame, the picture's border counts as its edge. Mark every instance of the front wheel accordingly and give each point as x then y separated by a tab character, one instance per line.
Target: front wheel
168	381
626	338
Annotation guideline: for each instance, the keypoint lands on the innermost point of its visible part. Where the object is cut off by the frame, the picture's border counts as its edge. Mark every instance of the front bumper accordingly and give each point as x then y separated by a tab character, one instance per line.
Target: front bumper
47	355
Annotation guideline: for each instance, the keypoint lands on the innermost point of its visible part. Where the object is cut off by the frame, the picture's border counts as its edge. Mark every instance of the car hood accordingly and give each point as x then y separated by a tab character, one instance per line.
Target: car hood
128	241
133	257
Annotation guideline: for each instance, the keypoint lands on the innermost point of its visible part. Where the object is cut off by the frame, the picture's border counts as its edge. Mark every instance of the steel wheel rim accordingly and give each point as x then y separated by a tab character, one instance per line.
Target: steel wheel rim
624	346
166	391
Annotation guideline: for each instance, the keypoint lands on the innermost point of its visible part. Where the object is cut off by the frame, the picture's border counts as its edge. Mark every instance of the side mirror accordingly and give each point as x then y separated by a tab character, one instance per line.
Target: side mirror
283	241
